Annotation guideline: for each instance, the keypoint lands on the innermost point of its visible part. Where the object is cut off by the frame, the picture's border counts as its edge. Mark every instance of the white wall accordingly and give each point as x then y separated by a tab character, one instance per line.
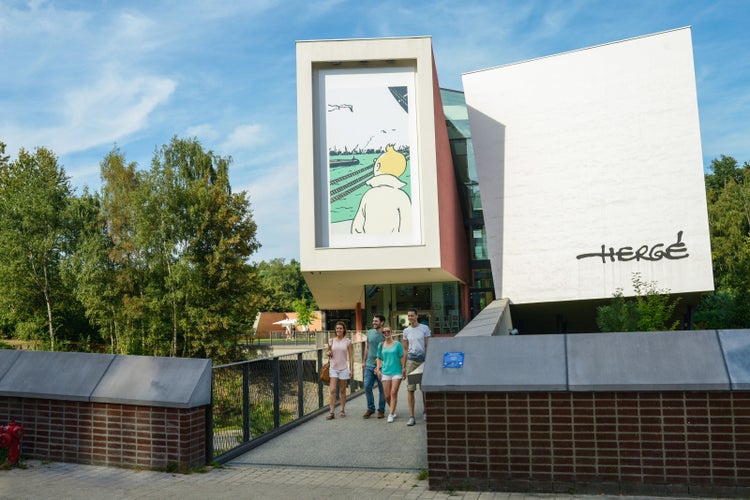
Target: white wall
337	268
595	147
318	254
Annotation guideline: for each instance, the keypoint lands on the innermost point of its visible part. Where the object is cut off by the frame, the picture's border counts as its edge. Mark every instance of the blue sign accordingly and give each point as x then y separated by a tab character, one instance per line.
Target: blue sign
453	360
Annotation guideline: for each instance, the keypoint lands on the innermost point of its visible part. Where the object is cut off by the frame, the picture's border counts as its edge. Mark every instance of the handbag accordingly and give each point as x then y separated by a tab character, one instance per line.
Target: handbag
325	375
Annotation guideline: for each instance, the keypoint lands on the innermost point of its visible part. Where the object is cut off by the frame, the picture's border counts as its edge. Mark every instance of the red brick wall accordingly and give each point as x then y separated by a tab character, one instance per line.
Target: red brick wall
664	443
109	434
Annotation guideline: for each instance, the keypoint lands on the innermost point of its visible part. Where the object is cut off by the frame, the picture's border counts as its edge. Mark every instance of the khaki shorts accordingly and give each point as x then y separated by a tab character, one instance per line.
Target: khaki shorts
410	367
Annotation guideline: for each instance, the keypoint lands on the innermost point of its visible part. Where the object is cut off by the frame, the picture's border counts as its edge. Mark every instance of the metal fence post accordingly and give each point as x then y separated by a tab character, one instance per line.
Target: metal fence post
276	392
300	386
245	402
320	384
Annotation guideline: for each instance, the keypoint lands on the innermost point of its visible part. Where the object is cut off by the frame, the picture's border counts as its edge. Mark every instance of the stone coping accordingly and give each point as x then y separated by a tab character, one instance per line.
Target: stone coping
106	378
705	360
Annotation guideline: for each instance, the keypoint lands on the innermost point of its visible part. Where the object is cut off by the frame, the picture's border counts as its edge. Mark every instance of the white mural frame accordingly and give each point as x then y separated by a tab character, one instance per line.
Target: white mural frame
366	120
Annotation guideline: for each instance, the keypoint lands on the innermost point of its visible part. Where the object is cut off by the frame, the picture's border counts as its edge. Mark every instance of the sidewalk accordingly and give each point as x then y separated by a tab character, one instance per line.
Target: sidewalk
73	481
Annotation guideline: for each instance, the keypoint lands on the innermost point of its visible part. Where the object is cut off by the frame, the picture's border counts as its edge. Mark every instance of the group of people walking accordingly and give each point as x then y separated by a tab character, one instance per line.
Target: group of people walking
387	363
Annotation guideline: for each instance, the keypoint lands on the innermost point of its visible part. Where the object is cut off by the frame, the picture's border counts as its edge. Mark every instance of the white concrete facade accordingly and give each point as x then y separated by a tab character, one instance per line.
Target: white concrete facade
336	257
590	170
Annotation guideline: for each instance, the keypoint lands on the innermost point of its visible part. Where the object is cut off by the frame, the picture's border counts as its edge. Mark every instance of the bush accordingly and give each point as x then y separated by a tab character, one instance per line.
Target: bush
650	310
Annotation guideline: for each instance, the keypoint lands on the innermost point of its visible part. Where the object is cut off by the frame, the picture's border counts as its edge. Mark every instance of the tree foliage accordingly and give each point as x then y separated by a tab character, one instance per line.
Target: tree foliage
305	313
650	310
283	284
619	316
35	237
156	263
728	197
175	247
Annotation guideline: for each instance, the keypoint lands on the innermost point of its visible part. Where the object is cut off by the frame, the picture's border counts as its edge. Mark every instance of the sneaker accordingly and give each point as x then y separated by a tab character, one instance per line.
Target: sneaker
367	414
390	418
424	417
411	421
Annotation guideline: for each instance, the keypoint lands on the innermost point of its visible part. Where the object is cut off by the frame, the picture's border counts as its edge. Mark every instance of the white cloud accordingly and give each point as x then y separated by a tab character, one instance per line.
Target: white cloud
83	172
244	137
222	9
134	26
102	113
205	132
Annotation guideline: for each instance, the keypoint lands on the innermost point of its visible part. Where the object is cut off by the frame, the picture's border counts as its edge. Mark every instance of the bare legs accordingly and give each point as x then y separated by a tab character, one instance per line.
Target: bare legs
411	401
390	387
342	394
341	386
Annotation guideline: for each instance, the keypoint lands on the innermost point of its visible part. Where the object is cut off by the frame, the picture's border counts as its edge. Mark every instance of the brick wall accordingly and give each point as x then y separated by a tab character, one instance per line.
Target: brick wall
109	434
663	443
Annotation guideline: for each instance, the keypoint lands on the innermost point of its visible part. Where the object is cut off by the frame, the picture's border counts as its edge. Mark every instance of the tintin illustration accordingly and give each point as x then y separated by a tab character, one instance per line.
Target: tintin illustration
371	172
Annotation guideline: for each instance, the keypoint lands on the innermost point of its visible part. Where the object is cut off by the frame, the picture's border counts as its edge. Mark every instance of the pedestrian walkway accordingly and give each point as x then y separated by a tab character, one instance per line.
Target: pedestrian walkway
351	442
343	458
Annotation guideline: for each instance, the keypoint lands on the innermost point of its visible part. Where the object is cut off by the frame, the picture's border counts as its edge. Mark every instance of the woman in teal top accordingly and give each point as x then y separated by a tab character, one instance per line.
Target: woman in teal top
390	369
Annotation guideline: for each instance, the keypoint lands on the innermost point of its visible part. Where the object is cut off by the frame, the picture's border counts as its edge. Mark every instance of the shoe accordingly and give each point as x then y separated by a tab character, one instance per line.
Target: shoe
411	421
330	416
367	414
381	414
342	414
424	417
390	418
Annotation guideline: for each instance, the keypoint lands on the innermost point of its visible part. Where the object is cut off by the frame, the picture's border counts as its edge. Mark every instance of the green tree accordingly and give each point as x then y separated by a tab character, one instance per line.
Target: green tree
650	310
35	195
305	313
92	273
655	307
216	236
620	316
282	285
179	241
115	268
728	198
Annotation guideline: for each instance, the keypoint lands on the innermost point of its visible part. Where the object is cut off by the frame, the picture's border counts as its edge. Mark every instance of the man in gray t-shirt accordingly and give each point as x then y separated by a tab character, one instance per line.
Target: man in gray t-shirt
416	338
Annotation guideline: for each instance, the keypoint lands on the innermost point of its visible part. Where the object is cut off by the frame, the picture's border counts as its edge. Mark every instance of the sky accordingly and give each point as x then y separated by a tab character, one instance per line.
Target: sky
81	77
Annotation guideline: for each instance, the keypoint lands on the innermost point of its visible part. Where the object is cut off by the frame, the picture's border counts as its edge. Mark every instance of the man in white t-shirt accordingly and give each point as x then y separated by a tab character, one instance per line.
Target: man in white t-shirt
416	338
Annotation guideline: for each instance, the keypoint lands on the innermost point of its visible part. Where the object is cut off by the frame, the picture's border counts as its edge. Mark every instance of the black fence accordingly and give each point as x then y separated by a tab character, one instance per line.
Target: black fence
254	401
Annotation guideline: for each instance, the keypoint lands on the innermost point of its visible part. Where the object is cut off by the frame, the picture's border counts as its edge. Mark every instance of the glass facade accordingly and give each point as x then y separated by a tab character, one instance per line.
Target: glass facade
481	289
438	304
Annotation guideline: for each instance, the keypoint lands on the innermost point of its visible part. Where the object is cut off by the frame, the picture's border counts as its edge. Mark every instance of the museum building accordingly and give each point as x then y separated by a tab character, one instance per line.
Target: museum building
547	184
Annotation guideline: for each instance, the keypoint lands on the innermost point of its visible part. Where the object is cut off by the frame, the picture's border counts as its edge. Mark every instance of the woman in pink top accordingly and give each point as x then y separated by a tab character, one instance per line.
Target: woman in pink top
341	355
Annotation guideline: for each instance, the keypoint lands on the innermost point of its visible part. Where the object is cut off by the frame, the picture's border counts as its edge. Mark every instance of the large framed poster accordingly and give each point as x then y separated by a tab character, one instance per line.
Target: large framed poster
367	163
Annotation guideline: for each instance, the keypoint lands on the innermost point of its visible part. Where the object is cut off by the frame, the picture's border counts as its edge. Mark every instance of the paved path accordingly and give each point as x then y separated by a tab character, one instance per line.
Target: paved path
73	481
322	459
350	442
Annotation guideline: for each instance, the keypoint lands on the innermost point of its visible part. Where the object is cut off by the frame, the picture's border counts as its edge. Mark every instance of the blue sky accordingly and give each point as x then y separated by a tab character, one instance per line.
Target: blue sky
81	76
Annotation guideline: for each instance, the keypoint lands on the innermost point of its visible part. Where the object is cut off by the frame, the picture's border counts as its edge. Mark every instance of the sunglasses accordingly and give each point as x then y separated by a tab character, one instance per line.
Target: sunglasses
386	331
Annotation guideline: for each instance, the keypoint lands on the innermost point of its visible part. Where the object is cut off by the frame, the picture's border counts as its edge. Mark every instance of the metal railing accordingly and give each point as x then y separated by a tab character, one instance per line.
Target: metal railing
254	401
283	337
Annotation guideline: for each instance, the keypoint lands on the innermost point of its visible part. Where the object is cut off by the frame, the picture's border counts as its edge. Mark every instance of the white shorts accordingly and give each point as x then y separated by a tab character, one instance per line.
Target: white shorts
390	377
339	374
